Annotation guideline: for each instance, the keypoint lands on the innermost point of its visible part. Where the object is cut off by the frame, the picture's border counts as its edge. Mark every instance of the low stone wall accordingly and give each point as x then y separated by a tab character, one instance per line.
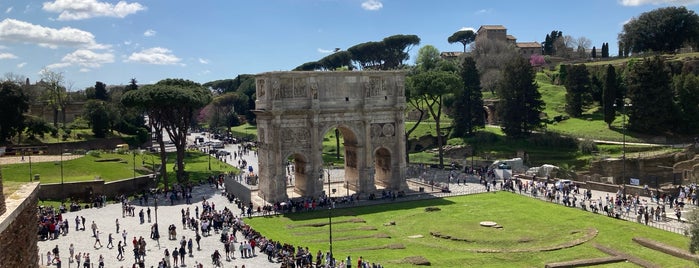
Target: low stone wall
239	190
18	228
84	190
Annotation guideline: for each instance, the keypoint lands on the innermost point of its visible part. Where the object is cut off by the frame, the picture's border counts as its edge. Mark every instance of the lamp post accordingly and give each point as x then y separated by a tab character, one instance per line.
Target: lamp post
29	154
61	152
625	104
330	213
208	151
134	164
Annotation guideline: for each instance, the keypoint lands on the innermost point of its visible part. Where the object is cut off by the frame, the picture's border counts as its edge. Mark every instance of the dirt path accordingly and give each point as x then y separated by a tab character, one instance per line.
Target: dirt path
35	159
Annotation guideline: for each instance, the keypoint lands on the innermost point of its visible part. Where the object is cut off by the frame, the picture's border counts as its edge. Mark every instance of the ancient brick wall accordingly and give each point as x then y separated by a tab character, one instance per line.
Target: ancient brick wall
18	237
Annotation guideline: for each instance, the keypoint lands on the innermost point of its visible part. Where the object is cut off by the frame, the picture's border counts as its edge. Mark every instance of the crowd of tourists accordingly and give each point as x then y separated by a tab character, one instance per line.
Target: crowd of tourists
646	206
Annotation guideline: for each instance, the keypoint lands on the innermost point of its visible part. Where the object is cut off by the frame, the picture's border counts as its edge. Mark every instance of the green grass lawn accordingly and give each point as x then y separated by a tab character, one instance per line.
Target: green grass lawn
245	130
86	168
529	224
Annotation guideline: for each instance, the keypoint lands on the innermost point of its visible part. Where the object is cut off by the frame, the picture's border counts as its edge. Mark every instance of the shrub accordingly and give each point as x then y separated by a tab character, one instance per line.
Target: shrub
94	153
587	146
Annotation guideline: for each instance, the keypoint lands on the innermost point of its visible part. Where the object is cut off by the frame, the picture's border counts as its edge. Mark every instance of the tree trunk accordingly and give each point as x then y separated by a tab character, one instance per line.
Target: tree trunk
440	143
337	143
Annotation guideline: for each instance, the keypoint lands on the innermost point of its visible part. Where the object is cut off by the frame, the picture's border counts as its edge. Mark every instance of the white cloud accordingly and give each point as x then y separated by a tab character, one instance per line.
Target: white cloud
324	51
88	58
8	10
12	30
203	61
657	2
467	29
58	65
128	42
5	56
149	33
85	9
84	70
21	65
483	11
372	5
155	55
84	58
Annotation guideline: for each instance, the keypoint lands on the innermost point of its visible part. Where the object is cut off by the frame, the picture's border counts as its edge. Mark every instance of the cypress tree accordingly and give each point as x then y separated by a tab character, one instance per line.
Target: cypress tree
648	85
577	85
520	98
609	92
468	114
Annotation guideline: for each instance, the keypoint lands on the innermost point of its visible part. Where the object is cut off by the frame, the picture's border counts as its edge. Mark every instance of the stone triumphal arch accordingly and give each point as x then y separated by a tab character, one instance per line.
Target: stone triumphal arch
295	109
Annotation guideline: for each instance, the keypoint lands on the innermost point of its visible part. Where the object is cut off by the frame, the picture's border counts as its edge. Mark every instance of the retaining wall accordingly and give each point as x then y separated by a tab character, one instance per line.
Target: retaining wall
18	228
84	190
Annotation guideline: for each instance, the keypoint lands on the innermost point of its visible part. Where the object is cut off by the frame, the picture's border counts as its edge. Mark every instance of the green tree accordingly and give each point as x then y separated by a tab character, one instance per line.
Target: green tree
37	126
101	91
468	107
431	86
170	105
577	85
427	58
520	98
648	88
594	52
662	30
686	87
464	37
693	219
609	93
97	113
133	85
13	105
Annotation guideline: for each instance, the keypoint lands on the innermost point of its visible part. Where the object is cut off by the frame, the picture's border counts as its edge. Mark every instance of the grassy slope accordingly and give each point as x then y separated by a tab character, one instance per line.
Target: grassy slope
528	223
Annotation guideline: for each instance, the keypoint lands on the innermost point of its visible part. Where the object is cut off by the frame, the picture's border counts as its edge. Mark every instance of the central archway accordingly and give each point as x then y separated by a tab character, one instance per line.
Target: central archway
296	109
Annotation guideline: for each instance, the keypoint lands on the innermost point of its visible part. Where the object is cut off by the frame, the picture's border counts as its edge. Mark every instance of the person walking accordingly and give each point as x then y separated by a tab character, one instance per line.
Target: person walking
120	249
109	240
97	238
190	245
94	229
117	226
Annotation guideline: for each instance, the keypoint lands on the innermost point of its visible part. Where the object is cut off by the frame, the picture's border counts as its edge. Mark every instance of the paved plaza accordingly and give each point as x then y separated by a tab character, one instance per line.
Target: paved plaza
106	217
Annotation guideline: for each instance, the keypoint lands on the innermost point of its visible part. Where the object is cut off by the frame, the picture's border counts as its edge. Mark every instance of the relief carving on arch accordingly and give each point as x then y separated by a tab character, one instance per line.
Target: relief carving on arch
275	89
383	130
287	88
295	135
374	87
261	88
300	88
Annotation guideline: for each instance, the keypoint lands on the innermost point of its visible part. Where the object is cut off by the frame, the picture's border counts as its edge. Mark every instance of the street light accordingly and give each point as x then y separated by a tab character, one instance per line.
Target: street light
61	152
28	152
134	164
626	103
208	151
330	213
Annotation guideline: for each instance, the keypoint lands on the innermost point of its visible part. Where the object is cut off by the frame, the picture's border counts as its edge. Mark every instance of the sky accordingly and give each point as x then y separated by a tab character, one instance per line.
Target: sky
150	40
